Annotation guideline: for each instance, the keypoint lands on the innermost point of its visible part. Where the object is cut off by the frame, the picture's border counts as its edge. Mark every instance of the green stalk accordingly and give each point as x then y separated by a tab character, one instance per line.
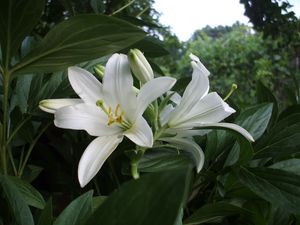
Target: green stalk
30	149
6	82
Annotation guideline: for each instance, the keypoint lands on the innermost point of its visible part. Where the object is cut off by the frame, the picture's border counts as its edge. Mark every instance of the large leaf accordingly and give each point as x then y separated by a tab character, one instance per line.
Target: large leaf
46	216
265	95
79	39
163	159
16	204
255	119
214	213
29	193
283	140
17	19
155	198
77	211
290	165
276	186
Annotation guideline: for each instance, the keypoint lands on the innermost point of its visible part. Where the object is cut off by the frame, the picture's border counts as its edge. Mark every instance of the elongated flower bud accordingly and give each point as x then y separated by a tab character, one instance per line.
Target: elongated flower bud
99	69
140	66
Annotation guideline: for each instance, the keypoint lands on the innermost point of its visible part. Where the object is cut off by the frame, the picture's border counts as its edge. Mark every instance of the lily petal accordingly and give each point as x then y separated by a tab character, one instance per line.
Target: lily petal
197	61
151	91
140	133
95	155
230	126
165	114
196	90
118	84
51	105
191	147
210	109
88	88
85	117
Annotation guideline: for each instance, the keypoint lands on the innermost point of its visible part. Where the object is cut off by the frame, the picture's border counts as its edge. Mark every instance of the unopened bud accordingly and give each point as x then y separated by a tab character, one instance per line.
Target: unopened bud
99	69
140	66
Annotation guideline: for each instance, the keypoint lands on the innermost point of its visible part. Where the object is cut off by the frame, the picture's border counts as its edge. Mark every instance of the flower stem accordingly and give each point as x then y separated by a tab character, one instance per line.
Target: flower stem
134	170
6	82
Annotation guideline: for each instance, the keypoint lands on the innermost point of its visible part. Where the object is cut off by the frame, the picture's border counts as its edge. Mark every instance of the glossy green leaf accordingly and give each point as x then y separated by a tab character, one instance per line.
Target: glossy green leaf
279	187
265	95
283	139
155	198
214	213
290	165
160	160
31	196
46	216
255	119
77	211
17	19
15	202
78	39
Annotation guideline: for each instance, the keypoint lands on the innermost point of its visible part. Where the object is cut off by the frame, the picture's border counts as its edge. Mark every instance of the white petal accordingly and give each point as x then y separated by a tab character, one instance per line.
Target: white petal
196	90
176	98
85	117
197	61
230	126
210	109
140	133
165	114
118	85
88	88
95	155
151	91
51	105
190	146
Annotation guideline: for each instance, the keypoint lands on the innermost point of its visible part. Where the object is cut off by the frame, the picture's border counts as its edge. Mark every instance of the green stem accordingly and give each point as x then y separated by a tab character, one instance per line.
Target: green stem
31	148
16	130
122	8
6	82
134	170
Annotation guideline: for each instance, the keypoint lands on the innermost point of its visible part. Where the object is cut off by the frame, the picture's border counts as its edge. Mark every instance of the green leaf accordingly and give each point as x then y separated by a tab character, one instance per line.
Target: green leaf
162	159
214	213
255	119
290	165
17	19
46	217
78	39
155	198
77	211
97	201
31	196
15	202
265	95
283	139
279	187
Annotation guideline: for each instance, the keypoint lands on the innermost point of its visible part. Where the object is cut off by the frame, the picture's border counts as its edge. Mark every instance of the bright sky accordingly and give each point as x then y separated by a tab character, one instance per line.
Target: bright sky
186	16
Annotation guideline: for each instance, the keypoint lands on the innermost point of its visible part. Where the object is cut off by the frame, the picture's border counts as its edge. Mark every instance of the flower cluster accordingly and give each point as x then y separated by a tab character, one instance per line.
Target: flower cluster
114	108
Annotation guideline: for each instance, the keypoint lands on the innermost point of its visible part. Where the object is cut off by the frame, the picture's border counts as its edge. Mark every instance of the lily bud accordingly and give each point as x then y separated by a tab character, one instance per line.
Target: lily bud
140	66
99	69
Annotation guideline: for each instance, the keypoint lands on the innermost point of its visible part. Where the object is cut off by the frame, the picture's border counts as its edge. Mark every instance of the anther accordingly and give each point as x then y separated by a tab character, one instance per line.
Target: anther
233	88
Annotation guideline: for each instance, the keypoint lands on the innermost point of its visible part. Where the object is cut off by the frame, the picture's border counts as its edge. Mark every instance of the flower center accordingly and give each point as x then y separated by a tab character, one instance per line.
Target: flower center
115	116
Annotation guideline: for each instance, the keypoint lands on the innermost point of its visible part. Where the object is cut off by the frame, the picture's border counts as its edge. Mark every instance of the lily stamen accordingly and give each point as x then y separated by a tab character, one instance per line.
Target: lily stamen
233	88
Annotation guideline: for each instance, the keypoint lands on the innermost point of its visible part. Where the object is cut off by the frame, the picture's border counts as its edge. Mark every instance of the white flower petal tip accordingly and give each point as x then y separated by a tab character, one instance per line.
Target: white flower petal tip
94	157
232	126
51	105
196	63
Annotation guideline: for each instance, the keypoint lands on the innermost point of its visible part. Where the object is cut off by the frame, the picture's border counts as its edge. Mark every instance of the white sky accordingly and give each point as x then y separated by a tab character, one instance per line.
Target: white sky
186	16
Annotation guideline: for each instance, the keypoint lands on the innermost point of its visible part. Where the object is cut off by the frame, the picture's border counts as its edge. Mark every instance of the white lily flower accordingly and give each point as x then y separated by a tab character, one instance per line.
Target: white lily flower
109	111
198	108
